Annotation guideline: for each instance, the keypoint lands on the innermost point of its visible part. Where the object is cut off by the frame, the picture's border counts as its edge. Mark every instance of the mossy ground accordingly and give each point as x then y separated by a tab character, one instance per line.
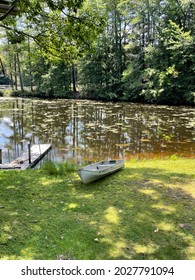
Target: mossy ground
145	211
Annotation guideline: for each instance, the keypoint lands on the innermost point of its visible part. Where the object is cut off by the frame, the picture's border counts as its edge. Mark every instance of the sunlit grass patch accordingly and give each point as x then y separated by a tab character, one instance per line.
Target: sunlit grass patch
152	193
70	206
165	226
167	209
150	248
111	215
119	250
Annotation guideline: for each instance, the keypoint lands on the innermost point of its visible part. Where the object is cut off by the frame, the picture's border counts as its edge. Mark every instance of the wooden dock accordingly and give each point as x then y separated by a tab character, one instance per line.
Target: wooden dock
28	159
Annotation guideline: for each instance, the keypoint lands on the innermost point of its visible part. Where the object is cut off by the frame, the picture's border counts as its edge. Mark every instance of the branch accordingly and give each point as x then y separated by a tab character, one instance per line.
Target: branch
10	10
36	39
83	20
18	31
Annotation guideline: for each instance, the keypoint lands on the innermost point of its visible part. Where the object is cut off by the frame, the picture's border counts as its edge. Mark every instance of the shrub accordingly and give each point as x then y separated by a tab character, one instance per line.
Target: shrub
50	167
58	168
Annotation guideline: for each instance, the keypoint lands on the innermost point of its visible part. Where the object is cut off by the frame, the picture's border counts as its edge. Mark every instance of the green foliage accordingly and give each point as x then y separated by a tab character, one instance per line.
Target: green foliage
139	51
52	80
163	73
55	168
50	167
62	29
101	71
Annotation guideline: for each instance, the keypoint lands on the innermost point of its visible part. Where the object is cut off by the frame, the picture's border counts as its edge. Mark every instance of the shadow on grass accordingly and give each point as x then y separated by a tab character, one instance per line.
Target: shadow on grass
140	213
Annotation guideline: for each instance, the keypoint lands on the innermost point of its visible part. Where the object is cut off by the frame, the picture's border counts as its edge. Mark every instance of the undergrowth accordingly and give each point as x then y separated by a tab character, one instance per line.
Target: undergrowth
58	168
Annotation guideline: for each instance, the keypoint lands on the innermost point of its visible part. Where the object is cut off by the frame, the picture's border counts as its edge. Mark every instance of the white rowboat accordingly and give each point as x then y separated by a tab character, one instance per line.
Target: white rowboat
98	170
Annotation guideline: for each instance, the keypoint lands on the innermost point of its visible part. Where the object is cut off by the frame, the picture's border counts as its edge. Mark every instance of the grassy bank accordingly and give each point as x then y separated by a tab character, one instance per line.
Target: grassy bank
145	211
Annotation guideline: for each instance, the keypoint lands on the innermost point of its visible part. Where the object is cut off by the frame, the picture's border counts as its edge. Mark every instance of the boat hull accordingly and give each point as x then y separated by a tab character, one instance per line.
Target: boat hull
96	171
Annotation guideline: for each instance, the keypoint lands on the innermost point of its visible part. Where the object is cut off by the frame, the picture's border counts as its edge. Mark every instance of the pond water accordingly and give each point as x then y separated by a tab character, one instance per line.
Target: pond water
84	131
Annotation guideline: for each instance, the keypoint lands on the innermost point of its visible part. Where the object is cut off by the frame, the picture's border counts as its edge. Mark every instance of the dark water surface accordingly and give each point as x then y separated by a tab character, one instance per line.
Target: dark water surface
85	131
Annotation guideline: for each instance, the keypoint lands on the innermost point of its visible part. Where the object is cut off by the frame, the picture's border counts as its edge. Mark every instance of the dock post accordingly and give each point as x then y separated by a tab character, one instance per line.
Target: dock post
39	149
0	156
29	153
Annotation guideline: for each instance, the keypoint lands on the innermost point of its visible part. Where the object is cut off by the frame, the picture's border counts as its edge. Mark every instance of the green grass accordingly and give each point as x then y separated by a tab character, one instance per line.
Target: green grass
145	211
55	168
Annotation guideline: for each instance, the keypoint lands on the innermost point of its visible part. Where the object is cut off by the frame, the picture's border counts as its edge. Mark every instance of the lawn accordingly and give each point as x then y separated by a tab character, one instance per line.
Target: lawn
145	211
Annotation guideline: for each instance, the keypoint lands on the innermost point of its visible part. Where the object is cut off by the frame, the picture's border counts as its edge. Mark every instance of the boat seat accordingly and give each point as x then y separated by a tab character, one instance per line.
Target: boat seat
104	165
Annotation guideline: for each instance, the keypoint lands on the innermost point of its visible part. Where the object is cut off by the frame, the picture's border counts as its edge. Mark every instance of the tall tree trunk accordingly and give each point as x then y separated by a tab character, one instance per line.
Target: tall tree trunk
15	73
30	65
11	72
148	23
19	72
2	67
10	59
74	78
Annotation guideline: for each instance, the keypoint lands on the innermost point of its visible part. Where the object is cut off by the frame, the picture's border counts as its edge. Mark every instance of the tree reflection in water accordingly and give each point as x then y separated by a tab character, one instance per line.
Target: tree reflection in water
84	131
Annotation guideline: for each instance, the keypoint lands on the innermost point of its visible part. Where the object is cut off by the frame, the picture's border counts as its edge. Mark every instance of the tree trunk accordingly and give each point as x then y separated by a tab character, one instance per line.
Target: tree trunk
74	79
2	67
148	23
19	72
15	73
30	65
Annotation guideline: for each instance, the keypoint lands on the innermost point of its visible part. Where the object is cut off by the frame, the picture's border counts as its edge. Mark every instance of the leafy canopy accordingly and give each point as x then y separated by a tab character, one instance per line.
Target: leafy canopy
63	29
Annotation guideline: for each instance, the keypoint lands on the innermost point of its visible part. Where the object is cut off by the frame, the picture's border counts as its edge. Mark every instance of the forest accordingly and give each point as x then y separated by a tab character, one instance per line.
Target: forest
113	50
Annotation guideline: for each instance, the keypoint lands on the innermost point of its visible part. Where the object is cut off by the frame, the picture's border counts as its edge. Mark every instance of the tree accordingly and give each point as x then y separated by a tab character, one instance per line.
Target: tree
105	65
180	44
161	69
61	28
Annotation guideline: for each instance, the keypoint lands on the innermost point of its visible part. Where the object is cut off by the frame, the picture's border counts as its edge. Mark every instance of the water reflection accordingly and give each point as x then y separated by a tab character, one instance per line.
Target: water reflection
88	131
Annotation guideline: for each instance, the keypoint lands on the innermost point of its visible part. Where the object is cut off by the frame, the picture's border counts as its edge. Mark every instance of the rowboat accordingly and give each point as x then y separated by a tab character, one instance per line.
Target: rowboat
98	170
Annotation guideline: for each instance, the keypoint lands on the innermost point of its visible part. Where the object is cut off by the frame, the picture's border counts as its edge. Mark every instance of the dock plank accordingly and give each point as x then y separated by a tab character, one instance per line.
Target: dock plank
38	151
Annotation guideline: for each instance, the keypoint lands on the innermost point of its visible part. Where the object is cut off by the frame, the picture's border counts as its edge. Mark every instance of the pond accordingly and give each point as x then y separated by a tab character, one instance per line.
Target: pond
85	131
